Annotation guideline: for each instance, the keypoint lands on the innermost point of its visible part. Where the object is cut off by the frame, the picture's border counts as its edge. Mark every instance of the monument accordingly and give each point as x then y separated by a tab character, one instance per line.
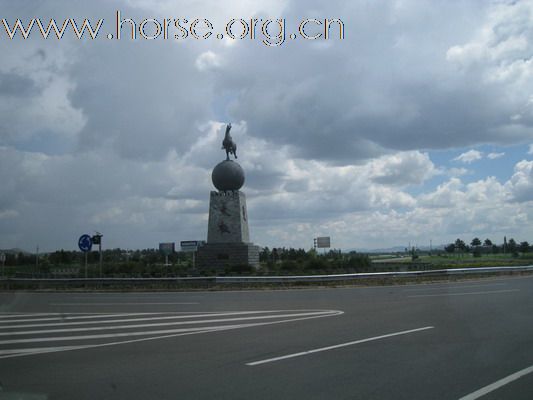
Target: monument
228	237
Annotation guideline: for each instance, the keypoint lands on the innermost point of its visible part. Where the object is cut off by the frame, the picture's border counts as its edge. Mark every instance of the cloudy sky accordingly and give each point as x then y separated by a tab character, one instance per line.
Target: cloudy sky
417	125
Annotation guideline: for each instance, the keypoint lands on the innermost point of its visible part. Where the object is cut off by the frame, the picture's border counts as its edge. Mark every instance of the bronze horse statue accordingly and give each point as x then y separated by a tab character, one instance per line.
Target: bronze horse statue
228	144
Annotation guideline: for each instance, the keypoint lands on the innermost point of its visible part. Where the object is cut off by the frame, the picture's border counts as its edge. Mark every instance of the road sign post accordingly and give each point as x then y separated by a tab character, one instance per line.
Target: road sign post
85	244
97	239
100	252
3	261
167	249
37	261
190	246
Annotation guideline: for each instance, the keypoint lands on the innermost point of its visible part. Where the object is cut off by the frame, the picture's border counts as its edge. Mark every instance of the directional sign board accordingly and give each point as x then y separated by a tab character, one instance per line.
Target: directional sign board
97	239
323	242
166	248
190	245
85	243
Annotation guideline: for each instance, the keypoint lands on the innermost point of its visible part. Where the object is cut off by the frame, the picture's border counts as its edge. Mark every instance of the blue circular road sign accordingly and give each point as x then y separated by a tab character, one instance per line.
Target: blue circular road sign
85	243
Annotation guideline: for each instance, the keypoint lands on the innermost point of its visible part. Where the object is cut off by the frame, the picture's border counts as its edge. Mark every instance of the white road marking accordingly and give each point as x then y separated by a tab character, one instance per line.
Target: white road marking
498	384
452	287
34	350
128	297
176	332
466	294
102	336
69	317
115	327
9	315
89	346
181	316
118	303
307	352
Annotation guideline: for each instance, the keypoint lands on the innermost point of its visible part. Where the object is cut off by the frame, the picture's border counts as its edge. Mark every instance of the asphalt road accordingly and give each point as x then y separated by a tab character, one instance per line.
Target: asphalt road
431	341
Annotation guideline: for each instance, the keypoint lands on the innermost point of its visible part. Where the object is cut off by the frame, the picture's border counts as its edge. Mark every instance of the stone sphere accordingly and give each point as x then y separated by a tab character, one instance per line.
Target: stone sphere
228	175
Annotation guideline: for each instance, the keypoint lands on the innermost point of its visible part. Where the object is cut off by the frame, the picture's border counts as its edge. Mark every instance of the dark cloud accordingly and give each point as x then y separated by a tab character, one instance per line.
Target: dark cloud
389	85
122	136
14	85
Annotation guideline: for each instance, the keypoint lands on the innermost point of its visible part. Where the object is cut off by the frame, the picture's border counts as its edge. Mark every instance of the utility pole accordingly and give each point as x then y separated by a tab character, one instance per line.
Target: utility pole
97	239
504	244
100	251
3	261
37	260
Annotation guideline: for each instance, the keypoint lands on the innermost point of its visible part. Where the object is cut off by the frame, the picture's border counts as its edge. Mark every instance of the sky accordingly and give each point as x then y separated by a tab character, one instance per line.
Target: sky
416	126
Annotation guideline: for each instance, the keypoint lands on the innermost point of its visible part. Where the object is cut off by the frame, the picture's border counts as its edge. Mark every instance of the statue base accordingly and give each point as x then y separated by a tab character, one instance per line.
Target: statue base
228	240
228	219
218	256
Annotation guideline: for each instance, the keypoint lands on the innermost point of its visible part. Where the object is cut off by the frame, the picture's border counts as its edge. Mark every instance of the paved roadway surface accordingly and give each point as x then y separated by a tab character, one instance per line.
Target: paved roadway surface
472	339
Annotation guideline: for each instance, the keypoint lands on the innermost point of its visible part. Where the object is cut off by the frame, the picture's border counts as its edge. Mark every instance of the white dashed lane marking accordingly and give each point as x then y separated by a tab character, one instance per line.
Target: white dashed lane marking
121	303
466	294
336	346
498	384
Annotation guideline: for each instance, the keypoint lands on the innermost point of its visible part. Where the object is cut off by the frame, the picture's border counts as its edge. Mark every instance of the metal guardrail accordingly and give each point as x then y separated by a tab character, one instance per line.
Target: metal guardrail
262	279
371	275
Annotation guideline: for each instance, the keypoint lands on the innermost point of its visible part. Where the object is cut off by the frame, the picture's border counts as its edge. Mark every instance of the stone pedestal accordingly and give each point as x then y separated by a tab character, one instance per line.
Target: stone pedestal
221	255
228	237
228	218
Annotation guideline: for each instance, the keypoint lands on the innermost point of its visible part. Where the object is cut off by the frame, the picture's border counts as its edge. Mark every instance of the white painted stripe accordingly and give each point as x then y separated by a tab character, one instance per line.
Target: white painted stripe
431	287
34	350
498	384
192	332
102	336
115	327
129	297
2	316
118	303
176	316
44	350
143	333
337	346
15	317
465	294
71	316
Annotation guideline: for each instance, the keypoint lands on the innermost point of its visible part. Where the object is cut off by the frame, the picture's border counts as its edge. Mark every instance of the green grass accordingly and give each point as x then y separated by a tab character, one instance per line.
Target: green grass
489	260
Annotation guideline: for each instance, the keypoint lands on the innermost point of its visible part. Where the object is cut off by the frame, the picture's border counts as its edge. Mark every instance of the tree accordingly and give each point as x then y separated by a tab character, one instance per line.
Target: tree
460	244
511	245
275	255
524	247
487	242
450	248
264	255
475	242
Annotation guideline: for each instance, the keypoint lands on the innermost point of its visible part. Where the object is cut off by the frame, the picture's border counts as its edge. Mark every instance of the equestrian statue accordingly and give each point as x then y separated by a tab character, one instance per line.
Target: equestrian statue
228	144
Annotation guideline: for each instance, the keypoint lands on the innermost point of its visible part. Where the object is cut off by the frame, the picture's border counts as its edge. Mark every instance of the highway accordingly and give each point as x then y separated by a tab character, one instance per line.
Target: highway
456	340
